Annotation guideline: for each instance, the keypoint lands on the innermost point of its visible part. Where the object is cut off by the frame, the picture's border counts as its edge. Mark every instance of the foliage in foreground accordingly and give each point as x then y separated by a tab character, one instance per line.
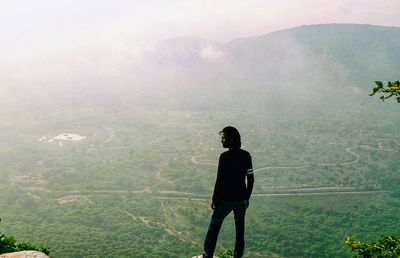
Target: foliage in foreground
8	245
226	254
385	247
392	89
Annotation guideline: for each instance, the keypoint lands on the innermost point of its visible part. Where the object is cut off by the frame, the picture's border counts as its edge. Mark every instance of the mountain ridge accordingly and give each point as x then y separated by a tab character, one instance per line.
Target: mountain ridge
190	72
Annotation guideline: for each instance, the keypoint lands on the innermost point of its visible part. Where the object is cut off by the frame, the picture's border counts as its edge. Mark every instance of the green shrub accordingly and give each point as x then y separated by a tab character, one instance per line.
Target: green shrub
385	247
8	244
226	254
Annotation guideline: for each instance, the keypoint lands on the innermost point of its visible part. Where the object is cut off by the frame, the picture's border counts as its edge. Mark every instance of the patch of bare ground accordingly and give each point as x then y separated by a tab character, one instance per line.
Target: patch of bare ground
81	199
24	254
32	179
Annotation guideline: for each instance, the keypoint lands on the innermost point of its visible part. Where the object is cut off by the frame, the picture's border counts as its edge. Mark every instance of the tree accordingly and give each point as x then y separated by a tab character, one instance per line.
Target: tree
386	246
392	89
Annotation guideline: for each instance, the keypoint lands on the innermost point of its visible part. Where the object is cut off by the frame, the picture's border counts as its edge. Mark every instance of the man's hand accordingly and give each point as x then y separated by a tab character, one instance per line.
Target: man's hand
213	205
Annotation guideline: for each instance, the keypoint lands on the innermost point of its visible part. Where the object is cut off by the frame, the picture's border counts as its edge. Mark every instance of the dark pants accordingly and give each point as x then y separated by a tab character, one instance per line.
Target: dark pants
223	208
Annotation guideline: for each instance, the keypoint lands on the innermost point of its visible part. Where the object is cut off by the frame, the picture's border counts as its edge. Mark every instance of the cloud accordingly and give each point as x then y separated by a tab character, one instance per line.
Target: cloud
32	29
210	53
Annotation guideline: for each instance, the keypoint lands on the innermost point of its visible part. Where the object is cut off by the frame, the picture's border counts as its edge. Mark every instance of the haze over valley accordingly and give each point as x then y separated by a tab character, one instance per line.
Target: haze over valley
113	153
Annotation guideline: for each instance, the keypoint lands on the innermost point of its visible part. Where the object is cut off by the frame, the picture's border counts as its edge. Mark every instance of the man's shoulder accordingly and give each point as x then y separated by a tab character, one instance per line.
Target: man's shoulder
235	152
245	152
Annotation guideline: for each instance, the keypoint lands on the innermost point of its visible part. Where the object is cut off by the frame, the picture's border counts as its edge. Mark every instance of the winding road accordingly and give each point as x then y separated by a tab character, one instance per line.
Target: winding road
195	160
316	190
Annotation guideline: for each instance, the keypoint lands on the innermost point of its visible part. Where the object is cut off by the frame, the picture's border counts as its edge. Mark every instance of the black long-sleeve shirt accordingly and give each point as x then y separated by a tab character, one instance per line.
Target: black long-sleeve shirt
234	167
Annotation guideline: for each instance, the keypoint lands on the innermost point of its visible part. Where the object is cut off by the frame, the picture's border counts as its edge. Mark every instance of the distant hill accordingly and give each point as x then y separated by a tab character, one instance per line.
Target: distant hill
368	52
313	64
293	69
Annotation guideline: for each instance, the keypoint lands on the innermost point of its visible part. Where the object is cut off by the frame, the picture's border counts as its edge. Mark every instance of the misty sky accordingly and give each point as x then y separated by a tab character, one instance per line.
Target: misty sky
36	27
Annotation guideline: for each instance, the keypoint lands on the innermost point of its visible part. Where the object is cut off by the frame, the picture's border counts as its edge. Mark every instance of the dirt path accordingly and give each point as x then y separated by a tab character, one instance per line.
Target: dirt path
321	193
200	138
349	150
110	136
177	195
37	183
195	161
159	175
170	228
143	219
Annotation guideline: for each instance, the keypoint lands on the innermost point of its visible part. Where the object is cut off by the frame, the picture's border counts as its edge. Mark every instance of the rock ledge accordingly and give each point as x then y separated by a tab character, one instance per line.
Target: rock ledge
24	254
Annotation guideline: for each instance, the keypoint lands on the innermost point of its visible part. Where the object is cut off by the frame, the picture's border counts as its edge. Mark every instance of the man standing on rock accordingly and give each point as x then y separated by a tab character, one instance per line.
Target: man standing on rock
231	192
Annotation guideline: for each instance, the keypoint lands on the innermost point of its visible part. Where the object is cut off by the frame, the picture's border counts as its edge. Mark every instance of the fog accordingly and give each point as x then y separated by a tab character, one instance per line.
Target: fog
182	68
193	55
60	48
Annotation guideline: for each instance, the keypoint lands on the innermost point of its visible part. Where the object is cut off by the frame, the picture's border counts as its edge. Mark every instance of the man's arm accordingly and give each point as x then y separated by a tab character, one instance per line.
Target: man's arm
216	186
249	177
250	183
215	194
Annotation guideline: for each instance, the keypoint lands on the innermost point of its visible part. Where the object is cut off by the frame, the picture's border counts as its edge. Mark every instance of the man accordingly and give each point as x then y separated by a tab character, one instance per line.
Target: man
231	191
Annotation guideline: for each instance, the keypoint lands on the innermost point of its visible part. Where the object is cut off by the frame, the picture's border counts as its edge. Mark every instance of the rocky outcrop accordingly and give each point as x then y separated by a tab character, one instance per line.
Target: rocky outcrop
24	254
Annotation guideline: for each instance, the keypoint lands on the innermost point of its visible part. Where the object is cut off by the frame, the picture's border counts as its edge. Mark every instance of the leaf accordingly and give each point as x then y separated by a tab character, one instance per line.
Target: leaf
374	90
379	83
347	240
